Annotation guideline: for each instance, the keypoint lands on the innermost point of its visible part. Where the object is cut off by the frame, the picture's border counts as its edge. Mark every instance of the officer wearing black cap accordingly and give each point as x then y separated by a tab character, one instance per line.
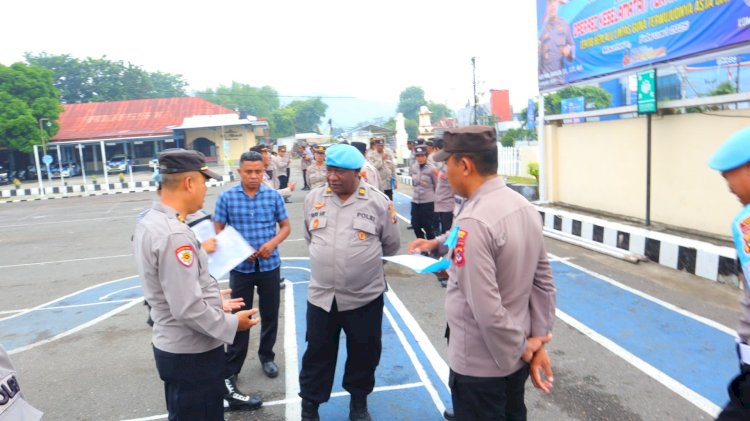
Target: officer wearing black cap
190	325
349	226
382	159
268	163
316	173
424	180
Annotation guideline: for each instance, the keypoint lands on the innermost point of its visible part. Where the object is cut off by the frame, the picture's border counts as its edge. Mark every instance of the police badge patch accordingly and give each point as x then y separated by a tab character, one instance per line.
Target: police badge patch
458	254
185	255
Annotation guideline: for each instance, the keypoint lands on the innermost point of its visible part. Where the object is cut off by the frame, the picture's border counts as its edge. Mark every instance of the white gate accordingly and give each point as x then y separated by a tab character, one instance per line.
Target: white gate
508	161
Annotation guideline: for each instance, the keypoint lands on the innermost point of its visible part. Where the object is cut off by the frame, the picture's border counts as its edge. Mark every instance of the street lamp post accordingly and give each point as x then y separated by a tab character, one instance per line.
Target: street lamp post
41	133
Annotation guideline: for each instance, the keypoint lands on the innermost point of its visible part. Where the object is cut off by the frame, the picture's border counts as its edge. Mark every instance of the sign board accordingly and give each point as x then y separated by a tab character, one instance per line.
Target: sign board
47	159
582	39
531	115
647	92
573	105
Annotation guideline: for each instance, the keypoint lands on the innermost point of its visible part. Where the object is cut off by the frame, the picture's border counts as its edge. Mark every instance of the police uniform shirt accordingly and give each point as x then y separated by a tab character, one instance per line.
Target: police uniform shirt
282	163
13	406
741	236
423	179
347	241
317	175
383	166
554	37
185	301
285	192
444	196
306	160
370	175
500	289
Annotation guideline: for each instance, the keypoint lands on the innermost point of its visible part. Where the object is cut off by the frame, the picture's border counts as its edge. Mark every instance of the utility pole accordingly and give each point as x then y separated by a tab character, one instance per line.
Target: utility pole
474	81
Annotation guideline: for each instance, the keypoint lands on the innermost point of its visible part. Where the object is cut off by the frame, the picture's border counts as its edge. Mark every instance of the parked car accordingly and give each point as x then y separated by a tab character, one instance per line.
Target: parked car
69	169
118	163
4	176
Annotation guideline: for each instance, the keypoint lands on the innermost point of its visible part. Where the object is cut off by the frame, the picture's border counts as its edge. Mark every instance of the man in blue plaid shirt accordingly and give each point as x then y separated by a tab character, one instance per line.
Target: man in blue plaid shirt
254	210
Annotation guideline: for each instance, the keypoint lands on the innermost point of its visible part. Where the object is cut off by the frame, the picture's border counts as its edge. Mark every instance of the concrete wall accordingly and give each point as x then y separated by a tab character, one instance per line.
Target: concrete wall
602	166
240	140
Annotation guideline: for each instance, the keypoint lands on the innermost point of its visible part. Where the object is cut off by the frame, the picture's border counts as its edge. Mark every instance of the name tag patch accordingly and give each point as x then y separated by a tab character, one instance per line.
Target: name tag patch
9	390
185	255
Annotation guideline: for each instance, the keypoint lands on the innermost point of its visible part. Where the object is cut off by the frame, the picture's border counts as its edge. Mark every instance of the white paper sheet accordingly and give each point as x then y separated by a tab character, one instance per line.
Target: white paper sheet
204	230
417	262
231	248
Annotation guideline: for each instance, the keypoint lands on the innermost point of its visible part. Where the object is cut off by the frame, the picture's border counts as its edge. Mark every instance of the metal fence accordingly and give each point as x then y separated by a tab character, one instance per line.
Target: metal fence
508	160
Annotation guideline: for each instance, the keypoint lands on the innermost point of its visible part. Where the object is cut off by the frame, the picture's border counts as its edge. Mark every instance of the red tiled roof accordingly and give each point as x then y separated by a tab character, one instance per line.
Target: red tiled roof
136	118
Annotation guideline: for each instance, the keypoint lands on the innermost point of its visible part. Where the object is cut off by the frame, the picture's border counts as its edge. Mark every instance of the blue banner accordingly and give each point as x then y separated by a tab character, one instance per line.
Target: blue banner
580	39
572	105
531	115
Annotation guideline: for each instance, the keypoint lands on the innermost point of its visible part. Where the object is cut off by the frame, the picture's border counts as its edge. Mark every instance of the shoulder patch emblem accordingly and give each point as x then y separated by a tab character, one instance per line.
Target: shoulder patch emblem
745	228
392	210
185	255
361	192
319	206
458	254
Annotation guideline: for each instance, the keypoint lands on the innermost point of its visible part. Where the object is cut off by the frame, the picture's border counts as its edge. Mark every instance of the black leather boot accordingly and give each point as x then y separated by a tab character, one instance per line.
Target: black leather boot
358	409
309	411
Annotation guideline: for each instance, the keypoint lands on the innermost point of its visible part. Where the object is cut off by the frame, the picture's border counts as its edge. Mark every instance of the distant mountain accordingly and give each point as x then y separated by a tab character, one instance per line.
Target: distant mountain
348	112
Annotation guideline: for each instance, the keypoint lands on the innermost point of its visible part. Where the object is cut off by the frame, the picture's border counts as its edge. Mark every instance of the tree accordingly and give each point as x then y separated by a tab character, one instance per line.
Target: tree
439	111
409	102
261	102
510	137
26	95
101	79
307	114
595	99
281	122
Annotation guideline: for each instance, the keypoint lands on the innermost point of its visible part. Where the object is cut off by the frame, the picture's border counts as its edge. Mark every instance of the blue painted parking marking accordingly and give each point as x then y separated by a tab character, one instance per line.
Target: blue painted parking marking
68	314
400	391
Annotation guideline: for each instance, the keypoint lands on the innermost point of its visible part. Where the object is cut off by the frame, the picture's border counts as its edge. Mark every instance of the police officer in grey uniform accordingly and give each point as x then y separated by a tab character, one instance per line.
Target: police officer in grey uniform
368	172
13	405
423	179
282	166
349	226
382	159
316	173
304	163
268	163
190	325
500	302
556	46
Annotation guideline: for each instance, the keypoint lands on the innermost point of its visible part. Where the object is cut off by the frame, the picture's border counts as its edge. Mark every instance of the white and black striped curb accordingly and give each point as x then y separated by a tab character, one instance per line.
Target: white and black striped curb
700	258
63	192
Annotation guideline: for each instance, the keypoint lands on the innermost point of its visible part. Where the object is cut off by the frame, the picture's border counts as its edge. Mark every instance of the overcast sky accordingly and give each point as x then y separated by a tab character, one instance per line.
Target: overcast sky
366	49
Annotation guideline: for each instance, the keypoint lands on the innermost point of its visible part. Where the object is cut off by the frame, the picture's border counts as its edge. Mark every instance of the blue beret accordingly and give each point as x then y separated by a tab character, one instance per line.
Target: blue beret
733	153
344	156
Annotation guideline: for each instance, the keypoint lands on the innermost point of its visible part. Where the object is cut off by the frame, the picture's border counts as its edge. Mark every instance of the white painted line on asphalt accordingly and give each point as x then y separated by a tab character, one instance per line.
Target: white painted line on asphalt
414	360
80	327
438	363
293	412
661	377
69	221
701	319
64	307
66	296
297	400
67	261
104	297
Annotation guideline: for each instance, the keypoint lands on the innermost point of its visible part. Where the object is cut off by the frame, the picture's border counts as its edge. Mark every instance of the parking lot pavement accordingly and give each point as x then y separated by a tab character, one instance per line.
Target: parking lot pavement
71	310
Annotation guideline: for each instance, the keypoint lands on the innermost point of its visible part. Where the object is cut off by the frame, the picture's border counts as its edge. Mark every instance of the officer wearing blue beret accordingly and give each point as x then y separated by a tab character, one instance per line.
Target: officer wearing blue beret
349	226
732	159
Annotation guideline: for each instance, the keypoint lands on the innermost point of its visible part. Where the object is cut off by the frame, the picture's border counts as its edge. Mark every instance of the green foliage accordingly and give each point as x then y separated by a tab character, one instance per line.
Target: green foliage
439	111
595	99
412	128
281	122
724	88
534	170
100	79
261	102
307	114
510	137
409	102
26	95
